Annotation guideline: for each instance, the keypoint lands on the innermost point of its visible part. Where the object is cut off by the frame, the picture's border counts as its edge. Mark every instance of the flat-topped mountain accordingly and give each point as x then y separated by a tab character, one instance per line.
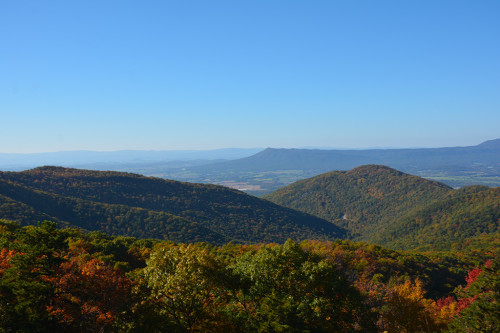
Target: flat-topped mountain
274	168
130	204
490	144
402	159
291	159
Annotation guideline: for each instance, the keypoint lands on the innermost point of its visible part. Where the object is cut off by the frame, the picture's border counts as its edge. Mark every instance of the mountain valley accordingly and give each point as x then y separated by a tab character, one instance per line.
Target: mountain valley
274	168
113	244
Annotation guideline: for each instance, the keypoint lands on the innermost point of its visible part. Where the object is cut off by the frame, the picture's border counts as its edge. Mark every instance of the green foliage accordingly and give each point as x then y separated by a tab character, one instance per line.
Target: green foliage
384	206
112	218
289	289
66	281
7	232
483	294
145	207
51	280
363	200
468	212
23	289
186	285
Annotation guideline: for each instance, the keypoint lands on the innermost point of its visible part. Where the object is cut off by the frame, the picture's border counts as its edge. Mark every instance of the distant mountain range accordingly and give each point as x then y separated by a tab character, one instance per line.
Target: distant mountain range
118	159
273	168
486	155
146	207
257	171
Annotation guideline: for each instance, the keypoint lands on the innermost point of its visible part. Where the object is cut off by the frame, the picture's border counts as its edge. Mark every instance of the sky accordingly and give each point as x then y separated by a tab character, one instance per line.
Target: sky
179	75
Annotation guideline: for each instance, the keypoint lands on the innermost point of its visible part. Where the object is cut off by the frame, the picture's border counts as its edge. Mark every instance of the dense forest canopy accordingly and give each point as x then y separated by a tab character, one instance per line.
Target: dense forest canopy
372	203
67	281
134	205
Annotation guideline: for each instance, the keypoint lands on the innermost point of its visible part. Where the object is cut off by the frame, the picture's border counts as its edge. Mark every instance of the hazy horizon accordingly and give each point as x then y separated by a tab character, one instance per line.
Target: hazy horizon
244	148
233	149
186	75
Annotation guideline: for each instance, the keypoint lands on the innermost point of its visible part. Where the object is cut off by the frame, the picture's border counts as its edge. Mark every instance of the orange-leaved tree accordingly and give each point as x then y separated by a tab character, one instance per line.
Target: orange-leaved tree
89	294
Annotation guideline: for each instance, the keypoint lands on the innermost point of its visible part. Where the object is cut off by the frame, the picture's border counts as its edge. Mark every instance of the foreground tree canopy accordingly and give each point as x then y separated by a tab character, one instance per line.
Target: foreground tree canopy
62	280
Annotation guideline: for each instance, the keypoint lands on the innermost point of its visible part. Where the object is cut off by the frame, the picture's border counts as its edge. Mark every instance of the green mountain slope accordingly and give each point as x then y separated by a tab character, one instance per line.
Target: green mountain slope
30	206
466	213
121	203
363	200
384	206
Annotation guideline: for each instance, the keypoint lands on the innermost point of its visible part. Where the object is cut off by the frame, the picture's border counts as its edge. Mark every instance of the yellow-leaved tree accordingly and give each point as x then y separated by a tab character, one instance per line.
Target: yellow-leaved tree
407	310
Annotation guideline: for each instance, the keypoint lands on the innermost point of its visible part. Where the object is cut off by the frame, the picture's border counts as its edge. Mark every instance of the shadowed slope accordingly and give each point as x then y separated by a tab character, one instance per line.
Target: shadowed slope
227	212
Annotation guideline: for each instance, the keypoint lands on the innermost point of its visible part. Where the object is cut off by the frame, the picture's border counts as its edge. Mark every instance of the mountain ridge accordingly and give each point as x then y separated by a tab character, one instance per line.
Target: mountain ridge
295	158
227	212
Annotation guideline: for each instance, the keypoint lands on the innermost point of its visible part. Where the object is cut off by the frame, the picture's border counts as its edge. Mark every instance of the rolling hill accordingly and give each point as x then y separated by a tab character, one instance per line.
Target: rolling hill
130	204
363	199
30	206
385	206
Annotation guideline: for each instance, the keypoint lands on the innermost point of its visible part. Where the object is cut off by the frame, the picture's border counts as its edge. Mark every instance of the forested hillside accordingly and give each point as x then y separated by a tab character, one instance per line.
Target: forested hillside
374	203
381	205
466	213
63	280
37	206
72	280
129	204
363	200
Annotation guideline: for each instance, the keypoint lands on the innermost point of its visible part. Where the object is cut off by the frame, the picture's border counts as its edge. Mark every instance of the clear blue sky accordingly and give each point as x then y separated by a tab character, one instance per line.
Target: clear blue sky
112	75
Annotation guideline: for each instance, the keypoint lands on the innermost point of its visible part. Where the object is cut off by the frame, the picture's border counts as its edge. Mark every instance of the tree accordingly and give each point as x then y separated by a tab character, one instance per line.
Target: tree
89	294
479	301
407	310
24	289
186	283
285	288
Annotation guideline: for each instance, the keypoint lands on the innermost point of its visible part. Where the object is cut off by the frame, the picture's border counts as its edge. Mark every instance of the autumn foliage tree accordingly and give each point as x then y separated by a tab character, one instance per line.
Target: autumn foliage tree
186	284
24	291
408	311
64	280
478	303
89	294
46	287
